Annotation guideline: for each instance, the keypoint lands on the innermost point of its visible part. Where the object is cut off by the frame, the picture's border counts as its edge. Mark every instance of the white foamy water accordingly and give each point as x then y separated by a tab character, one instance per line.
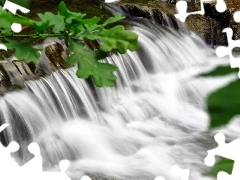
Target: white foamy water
152	119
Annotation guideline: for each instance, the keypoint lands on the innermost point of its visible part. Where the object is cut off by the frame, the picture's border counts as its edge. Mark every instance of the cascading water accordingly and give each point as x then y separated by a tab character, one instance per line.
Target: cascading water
151	120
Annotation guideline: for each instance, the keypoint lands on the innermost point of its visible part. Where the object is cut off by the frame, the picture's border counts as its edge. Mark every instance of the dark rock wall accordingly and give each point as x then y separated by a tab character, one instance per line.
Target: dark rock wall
14	73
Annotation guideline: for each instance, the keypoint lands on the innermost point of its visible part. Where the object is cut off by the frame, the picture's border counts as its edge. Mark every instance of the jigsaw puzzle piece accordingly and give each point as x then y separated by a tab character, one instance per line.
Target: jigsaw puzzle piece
222	51
159	178
64	164
224	176
183	173
221	6
35	164
2	46
182	11
182	14
177	172
8	164
111	1
12	7
88	178
4	126
236	16
227	150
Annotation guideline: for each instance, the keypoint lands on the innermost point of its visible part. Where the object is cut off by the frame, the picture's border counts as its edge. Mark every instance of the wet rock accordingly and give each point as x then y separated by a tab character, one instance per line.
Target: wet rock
153	14
158	16
13	72
57	55
24	70
4	79
11	75
208	28
223	19
137	11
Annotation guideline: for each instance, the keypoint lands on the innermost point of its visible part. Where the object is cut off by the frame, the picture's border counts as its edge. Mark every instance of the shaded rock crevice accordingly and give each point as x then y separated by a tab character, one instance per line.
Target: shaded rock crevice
13	73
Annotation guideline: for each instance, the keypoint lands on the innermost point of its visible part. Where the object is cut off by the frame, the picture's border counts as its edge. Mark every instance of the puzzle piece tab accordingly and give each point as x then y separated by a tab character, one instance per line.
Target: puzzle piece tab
227	150
178	172
12	7
222	51
32	169
182	9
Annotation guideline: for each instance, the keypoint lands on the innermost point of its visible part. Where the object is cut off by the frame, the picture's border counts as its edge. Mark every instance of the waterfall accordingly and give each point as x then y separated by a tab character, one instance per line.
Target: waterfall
152	119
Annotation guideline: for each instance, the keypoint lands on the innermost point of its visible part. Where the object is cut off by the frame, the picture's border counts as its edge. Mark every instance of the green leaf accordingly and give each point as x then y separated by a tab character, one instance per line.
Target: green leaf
89	66
57	21
223	164
119	39
24	51
2	2
224	104
64	11
6	32
88	24
41	26
116	38
23	3
91	21
221	71
114	19
7	19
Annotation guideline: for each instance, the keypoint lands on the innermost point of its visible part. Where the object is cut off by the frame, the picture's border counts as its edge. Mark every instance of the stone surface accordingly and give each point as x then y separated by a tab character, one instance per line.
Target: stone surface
208	26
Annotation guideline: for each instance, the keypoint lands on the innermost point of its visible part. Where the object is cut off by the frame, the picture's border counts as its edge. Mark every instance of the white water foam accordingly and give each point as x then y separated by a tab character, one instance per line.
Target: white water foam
152	119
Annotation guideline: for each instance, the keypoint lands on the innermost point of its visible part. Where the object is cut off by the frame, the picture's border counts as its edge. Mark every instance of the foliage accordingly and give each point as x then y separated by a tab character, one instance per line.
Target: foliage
220	71
222	105
222	165
89	66
75	29
23	3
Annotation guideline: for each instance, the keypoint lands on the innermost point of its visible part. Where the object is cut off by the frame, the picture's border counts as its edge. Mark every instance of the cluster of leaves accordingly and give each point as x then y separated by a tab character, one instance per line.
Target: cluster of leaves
222	105
23	3
75	29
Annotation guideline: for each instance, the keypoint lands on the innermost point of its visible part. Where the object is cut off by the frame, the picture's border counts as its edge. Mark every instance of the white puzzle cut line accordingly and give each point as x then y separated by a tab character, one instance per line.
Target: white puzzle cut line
9	165
227	150
222	51
111	1
2	46
182	14
177	172
236	16
12	7
86	178
230	150
32	169
221	6
159	178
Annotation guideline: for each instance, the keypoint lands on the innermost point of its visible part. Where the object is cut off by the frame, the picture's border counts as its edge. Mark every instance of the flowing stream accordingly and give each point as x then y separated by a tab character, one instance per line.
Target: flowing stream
152	119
